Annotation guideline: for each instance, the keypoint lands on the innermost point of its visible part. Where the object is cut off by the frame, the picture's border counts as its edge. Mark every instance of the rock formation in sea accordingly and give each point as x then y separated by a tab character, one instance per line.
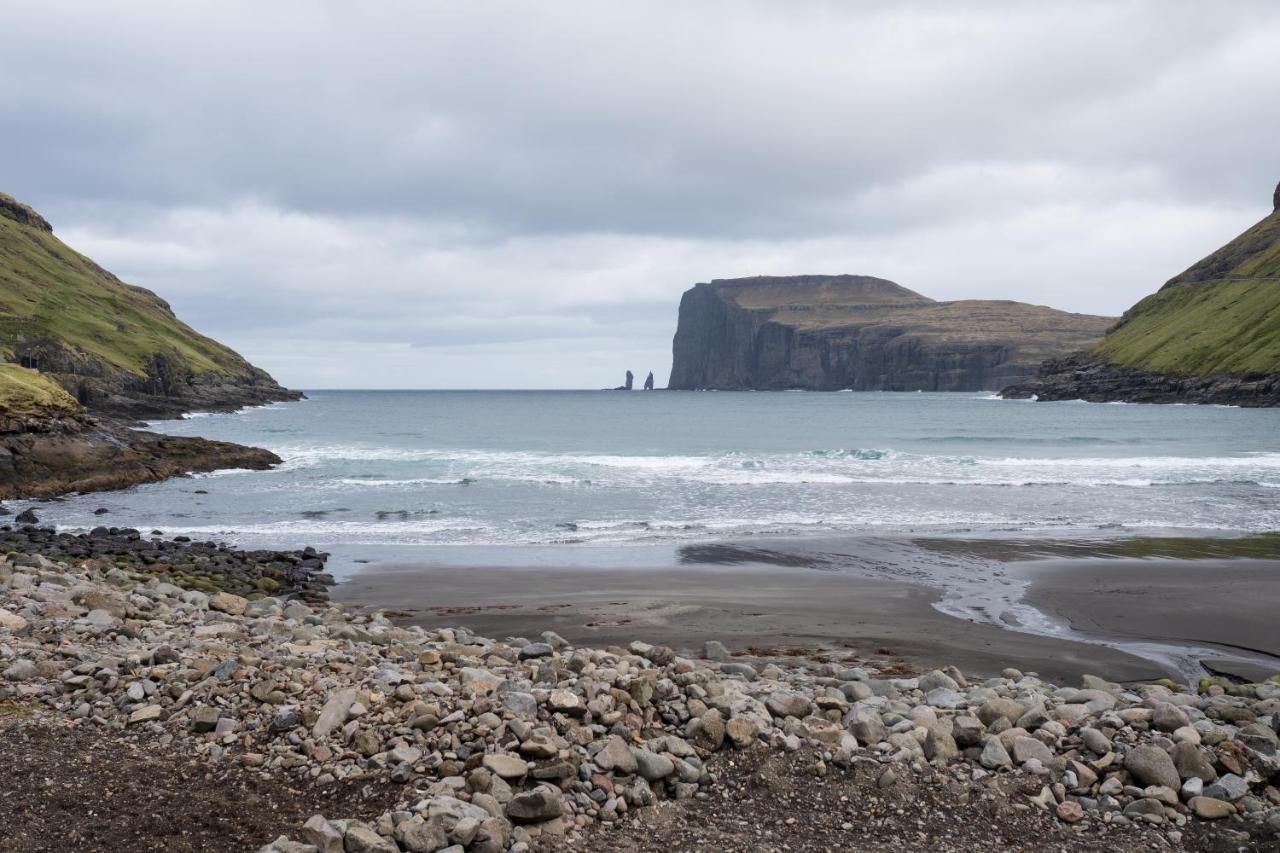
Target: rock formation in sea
118	349
1210	335
834	332
648	381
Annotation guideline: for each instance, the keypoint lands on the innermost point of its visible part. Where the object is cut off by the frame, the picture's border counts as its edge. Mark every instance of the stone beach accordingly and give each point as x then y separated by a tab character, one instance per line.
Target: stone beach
528	743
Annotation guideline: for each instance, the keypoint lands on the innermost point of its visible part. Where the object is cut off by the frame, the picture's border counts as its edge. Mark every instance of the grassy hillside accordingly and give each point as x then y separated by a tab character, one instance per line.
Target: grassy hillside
1220	316
26	392
47	290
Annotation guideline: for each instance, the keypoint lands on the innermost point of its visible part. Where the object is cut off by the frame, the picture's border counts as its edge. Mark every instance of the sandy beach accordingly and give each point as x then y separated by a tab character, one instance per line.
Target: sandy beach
800	599
1232	604
743	606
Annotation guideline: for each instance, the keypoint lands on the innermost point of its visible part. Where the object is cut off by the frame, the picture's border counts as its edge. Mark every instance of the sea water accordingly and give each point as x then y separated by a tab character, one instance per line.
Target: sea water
582	469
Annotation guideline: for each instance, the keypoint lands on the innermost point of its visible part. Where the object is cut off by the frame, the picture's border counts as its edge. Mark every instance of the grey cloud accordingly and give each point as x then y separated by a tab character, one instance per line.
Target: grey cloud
499	174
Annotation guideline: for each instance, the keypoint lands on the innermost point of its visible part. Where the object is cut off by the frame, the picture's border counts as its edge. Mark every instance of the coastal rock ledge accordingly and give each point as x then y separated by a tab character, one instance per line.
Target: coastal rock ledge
526	744
1085	376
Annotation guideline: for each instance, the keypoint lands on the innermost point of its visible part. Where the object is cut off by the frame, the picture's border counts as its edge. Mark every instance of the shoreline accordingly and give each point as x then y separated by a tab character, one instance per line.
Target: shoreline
436	739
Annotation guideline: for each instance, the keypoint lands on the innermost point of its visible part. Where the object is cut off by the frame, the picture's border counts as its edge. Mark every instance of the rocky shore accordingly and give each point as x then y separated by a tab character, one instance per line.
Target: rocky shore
469	743
1085	376
56	453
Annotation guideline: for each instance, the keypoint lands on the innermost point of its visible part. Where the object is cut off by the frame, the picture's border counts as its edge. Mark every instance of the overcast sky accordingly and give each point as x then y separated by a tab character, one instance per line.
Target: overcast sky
476	194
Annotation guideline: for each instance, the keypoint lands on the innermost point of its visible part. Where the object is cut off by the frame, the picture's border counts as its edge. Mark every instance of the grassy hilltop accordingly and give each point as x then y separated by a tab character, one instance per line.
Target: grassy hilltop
1220	316
116	347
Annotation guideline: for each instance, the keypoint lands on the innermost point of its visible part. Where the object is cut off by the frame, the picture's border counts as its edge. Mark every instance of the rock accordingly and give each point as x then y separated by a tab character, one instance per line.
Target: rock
319	833
334	713
20	670
715	650
535	806
867	727
940	746
652	766
1095	741
1207	808
711	730
1151	765
567	702
1070	811
994	709
1229	786
741	732
283	844
11	621
536	650
225	602
26	517
360	838
205	719
506	766
1168	717
786	704
943	697
145	714
994	756
420	836
1191	760
616	756
935	680
1027	748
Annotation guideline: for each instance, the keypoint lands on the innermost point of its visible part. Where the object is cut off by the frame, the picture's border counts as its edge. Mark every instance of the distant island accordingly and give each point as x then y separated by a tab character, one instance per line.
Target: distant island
1210	335
836	332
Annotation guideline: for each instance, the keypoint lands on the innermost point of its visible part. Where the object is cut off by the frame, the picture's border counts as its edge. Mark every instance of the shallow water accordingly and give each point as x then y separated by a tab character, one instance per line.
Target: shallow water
497	468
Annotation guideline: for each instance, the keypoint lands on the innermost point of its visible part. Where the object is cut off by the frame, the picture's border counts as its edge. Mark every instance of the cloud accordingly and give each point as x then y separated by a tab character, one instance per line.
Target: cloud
514	195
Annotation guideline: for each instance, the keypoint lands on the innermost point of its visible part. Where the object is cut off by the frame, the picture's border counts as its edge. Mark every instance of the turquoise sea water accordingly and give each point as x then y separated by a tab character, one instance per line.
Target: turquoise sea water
584	469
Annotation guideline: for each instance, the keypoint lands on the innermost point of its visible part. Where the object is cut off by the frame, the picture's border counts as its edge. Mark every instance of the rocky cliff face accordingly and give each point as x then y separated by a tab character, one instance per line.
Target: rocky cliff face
1211	334
861	333
117	348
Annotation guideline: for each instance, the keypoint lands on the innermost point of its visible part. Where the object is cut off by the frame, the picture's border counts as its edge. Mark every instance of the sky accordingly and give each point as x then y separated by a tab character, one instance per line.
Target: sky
514	195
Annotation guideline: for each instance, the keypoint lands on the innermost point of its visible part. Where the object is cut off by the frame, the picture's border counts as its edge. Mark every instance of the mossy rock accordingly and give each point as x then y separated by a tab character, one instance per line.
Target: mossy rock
1170	684
267	584
1214	680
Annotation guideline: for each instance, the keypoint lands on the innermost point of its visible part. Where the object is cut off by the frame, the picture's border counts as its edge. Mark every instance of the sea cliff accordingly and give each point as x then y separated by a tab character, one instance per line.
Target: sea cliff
827	333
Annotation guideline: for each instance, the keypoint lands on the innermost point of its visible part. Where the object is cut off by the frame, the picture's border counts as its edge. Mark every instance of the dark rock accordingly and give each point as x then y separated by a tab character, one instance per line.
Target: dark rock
1088	377
27	517
827	333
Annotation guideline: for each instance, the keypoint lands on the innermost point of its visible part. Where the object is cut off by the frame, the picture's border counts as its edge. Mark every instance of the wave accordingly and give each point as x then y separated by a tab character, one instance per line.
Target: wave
413	481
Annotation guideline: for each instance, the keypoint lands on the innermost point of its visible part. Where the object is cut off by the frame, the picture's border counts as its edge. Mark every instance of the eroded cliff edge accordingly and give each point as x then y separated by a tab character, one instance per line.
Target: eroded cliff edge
835	332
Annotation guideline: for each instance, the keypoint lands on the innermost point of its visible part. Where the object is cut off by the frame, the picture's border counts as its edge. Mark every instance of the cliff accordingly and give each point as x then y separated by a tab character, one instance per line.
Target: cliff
118	349
825	332
1211	334
49	445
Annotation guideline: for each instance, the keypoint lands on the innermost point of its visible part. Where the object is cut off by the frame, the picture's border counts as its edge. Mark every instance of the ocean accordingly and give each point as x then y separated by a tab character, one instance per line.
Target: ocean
515	474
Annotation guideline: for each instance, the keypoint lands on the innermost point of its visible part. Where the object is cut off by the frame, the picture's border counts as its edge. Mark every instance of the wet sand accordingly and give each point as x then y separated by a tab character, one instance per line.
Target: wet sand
745	606
1234	604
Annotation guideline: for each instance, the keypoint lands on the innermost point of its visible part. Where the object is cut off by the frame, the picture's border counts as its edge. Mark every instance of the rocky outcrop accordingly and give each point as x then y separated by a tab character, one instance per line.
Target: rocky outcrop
48	456
1084	376
862	333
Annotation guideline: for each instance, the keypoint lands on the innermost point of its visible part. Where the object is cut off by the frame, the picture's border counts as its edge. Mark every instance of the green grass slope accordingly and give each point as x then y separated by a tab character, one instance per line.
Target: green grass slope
49	291
26	392
1222	315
